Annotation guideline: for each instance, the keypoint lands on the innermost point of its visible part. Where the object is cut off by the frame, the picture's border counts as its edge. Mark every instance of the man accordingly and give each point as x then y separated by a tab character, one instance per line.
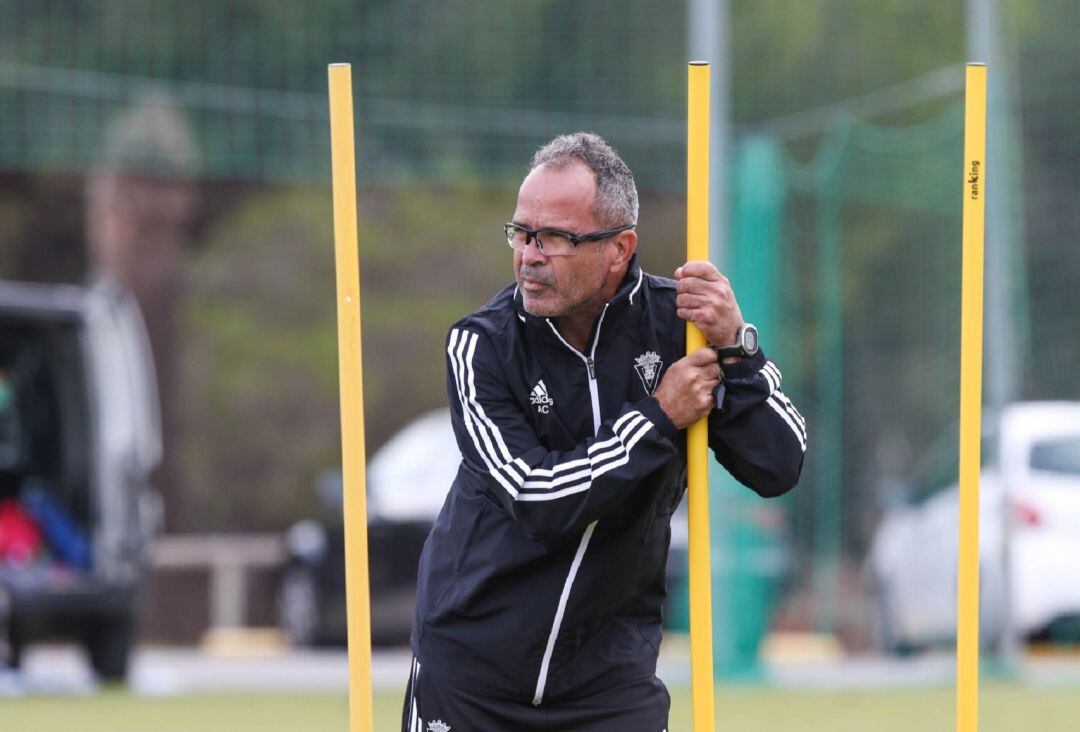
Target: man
542	583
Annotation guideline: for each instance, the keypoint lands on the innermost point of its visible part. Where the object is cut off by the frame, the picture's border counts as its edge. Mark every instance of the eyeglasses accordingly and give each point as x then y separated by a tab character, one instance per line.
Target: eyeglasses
553	242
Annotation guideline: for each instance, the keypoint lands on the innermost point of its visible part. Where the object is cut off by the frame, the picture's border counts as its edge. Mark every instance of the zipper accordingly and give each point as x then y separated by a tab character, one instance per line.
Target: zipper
590	364
579	556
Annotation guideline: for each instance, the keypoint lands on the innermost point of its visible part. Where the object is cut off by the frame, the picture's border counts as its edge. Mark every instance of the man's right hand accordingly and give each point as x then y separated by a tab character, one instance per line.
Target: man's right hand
686	391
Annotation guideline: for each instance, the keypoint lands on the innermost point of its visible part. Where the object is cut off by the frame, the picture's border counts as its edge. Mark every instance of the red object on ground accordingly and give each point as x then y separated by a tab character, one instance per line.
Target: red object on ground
20	538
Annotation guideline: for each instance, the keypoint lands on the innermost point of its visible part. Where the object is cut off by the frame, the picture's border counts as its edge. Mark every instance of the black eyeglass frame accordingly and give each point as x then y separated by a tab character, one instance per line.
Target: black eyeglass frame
575	239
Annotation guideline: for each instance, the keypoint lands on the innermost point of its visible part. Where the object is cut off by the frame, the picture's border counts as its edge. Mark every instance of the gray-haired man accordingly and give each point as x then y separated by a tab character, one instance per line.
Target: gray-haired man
542	584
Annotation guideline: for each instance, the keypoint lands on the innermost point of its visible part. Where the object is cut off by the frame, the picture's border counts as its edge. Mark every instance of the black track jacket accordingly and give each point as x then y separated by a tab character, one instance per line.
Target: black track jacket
544	574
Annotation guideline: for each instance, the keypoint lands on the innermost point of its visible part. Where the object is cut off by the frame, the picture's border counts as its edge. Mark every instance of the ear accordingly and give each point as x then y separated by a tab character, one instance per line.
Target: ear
624	245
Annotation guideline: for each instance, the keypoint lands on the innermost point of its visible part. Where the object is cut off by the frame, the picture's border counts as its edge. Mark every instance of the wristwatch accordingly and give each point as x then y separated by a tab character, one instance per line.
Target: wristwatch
746	343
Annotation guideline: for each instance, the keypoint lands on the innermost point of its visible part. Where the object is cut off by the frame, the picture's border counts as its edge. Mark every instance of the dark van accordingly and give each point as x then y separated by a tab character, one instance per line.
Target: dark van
79	435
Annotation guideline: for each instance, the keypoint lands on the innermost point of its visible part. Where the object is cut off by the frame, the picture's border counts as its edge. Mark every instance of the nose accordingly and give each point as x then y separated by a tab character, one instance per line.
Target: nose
532	253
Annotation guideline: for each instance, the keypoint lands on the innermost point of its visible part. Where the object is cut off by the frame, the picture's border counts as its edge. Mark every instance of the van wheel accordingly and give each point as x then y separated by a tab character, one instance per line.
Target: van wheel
884	627
108	643
11	648
298	605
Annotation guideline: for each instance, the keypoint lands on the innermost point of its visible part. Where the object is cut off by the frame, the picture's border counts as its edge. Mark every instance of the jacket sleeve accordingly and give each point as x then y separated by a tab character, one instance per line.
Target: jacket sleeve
757	433
551	494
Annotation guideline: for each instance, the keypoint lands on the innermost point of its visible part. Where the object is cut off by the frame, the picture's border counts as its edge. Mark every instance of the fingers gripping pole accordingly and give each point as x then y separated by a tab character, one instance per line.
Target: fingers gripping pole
697	441
971	318
352	396
967	648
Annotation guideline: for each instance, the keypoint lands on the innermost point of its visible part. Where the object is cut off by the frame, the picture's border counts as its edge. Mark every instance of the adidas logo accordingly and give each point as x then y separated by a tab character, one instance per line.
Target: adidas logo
539	398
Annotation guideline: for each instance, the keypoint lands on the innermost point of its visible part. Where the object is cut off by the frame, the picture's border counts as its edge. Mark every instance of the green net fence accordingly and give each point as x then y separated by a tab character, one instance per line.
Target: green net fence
458	88
872	226
858	105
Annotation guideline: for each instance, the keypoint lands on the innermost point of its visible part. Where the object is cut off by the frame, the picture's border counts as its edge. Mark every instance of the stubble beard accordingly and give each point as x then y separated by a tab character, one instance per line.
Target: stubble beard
555	301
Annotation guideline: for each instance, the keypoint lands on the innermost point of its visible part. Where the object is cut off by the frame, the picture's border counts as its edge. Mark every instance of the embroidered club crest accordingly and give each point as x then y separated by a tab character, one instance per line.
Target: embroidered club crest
438	726
648	367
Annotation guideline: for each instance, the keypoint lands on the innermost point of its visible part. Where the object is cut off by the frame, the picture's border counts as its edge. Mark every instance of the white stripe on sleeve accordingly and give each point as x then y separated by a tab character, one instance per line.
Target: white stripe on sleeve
480	439
503	452
779	409
791	410
513	474
632	427
771	376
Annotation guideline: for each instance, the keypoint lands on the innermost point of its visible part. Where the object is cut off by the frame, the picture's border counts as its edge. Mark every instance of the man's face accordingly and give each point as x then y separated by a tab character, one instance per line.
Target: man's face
556	287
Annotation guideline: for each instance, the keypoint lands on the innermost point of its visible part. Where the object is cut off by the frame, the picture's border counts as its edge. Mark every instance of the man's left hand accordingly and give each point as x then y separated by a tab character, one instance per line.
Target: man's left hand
705	298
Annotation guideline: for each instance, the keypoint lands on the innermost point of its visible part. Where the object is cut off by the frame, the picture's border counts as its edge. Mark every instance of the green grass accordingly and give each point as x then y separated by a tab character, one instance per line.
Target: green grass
1004	708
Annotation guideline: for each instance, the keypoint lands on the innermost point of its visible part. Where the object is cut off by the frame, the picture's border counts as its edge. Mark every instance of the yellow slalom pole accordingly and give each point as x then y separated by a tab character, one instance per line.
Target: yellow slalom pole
697	438
971	318
350	370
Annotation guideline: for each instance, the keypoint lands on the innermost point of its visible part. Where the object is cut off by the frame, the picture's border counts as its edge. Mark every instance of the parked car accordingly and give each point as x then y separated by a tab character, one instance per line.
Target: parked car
79	435
407	482
1029	541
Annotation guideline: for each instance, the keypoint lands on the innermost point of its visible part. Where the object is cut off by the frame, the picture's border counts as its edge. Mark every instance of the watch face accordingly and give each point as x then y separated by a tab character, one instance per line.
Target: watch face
750	340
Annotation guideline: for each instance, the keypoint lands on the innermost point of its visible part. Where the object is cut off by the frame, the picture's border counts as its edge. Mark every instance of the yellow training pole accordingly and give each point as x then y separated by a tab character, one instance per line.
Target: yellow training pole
697	439
352	397
971	318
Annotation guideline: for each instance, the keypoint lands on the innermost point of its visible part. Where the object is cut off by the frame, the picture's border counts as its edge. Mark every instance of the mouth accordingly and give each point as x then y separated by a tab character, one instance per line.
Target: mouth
532	284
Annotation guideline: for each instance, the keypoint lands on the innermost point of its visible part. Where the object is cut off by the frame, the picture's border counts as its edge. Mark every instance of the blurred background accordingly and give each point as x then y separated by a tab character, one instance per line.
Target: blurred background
179	153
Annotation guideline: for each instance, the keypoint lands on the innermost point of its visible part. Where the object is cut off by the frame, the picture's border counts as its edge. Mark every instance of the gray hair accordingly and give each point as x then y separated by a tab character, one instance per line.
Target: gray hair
616	201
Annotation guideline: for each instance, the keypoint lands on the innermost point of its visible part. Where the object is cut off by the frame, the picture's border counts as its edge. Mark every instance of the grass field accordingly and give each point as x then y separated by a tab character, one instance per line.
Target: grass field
1004	708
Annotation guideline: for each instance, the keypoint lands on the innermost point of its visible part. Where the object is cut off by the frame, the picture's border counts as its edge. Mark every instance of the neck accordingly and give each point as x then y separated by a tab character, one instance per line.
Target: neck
575	327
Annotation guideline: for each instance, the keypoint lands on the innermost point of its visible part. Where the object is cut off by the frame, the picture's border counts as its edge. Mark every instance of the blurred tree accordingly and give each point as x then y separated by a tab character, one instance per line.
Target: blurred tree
260	356
258	363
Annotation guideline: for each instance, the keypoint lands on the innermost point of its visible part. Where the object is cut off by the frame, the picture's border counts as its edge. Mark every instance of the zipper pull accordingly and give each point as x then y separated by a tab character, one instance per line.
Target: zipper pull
592	367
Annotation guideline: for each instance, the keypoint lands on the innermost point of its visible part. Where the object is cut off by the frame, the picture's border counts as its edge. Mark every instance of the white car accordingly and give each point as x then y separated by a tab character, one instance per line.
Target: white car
1029	541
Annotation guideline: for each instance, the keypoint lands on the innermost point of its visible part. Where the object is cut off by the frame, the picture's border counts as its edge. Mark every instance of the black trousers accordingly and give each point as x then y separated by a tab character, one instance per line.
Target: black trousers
432	706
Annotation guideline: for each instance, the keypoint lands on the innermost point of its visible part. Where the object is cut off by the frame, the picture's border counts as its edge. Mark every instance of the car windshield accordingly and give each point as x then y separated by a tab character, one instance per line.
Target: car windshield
1060	455
411	474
